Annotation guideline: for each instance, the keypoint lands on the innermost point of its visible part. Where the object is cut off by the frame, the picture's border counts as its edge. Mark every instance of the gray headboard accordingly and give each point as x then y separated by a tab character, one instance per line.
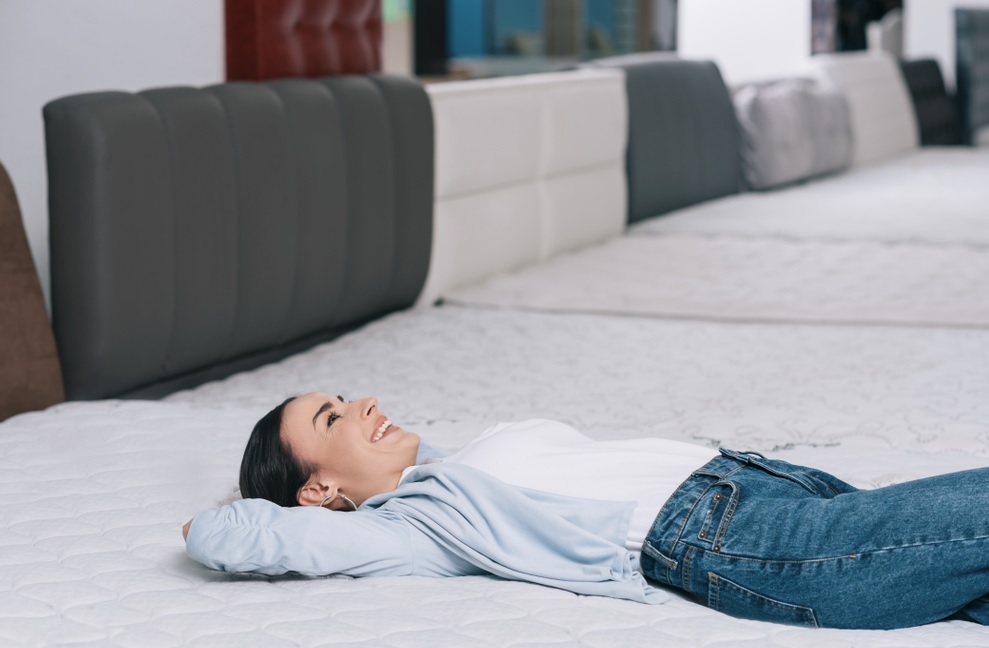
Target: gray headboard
683	145
972	69
936	110
199	232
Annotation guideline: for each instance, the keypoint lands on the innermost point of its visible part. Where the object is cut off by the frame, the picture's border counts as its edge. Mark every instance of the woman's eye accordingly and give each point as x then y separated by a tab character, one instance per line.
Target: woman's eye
331	418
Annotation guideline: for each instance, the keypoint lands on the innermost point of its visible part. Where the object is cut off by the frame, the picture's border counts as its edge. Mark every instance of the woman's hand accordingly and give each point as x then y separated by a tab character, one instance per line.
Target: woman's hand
185	530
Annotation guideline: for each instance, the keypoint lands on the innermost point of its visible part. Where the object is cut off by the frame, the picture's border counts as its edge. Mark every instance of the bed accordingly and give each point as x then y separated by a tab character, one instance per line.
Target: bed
896	191
95	492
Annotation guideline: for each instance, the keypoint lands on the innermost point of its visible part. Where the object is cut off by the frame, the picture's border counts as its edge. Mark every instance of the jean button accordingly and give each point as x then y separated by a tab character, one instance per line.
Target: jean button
702	534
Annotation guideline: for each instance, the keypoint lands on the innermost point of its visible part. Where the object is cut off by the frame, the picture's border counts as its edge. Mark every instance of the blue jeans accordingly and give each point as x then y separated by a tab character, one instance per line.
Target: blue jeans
768	540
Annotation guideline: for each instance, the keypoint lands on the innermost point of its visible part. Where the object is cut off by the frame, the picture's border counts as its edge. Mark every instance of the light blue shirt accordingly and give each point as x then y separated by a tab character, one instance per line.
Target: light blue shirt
444	519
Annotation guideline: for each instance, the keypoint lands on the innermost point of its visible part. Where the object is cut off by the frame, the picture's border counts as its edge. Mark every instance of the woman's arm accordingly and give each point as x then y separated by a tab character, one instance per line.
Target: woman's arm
254	535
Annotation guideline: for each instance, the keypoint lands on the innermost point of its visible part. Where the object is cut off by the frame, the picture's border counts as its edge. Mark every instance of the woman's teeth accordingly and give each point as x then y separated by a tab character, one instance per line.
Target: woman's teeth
381	431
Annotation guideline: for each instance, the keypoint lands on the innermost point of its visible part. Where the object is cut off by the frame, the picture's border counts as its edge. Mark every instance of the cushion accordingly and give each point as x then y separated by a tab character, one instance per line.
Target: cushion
791	130
30	377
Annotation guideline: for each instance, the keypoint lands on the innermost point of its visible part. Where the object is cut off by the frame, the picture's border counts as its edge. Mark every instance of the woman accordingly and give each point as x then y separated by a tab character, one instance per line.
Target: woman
537	501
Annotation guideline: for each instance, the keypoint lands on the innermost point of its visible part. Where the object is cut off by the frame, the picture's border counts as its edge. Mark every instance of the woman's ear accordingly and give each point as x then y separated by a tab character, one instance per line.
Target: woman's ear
315	491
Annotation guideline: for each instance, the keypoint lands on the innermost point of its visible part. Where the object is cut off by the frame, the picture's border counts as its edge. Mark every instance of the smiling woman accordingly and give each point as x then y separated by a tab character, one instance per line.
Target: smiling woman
538	501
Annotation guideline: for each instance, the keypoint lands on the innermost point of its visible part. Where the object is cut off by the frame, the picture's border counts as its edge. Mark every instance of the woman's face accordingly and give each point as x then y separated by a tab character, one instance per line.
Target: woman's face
355	448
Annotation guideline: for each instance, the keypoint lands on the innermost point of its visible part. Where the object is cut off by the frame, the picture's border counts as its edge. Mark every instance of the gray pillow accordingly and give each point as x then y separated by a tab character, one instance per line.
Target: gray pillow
791	130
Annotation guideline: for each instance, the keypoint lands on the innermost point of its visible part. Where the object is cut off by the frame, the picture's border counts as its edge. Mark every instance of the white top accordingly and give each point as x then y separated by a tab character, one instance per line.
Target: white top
550	456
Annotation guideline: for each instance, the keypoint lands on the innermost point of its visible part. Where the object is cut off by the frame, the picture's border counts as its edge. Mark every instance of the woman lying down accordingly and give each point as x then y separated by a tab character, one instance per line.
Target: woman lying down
334	487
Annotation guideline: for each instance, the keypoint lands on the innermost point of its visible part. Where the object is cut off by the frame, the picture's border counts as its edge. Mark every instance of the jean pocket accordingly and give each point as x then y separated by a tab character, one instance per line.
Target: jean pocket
731	598
774	467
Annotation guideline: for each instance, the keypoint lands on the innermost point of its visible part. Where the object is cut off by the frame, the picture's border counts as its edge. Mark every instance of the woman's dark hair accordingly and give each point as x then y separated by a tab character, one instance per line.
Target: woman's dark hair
269	469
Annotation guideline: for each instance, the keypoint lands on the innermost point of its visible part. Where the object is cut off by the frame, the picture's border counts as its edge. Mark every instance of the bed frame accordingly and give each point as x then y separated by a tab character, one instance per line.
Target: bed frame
200	232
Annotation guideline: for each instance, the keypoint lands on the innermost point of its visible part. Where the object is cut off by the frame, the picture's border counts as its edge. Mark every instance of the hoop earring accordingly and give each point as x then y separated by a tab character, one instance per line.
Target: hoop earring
333	497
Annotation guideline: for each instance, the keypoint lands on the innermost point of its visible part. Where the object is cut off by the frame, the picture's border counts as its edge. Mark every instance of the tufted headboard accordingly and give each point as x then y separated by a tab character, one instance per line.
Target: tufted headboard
884	125
683	145
528	167
198	232
972	72
936	110
268	39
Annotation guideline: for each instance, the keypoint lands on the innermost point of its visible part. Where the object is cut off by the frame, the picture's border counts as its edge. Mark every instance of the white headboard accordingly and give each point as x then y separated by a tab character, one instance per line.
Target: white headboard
884	125
526	168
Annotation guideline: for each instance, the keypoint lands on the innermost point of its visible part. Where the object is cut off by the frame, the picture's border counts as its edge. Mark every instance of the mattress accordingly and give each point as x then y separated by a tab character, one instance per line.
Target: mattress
95	493
933	196
754	385
754	279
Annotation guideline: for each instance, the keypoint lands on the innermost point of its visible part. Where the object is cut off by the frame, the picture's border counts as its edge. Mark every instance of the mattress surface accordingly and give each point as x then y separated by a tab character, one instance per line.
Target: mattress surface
774	280
933	196
94	493
754	385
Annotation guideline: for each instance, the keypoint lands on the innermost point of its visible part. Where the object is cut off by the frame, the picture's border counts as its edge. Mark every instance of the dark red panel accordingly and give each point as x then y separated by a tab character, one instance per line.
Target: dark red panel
268	39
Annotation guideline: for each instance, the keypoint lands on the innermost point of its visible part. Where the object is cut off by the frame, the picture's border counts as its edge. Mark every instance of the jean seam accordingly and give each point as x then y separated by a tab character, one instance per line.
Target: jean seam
714	582
726	519
688	558
805	561
852	556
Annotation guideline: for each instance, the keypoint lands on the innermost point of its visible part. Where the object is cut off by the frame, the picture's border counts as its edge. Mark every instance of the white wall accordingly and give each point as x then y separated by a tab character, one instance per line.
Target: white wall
51	48
748	39
929	31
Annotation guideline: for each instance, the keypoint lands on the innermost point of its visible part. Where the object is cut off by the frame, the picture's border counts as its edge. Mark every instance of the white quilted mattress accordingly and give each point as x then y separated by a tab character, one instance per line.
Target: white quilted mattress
935	196
755	279
94	493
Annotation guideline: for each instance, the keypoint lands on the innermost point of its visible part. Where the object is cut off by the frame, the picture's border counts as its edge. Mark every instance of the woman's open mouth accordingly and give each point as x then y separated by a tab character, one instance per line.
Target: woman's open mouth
381	431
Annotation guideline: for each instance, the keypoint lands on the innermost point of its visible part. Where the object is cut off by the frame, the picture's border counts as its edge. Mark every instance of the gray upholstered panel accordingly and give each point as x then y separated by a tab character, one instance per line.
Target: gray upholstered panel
937	112
683	144
972	69
195	232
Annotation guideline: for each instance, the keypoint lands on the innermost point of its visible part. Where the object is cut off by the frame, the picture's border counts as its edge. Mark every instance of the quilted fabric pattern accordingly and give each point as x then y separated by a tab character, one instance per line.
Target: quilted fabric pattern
94	493
269	39
755	280
755	385
932	196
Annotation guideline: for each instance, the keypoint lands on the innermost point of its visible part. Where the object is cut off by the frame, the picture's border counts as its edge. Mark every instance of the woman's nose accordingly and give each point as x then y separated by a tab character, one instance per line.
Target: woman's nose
369	406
